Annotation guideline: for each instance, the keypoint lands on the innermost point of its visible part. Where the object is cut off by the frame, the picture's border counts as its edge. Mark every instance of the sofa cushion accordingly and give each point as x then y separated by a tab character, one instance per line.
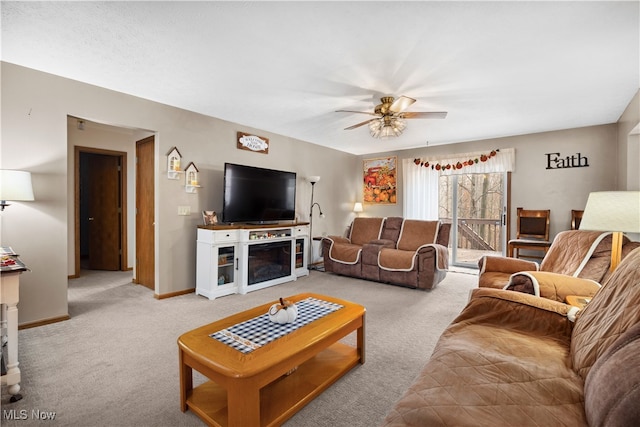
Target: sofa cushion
444	233
365	230
570	251
613	310
396	260
391	229
612	388
345	253
416	233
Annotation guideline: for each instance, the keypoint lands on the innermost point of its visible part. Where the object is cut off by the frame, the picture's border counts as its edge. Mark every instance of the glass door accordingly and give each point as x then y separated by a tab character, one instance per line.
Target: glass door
226	265
476	204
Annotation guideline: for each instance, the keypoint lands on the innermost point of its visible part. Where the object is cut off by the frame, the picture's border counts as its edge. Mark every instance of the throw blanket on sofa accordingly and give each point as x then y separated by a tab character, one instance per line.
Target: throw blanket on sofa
570	252
550	285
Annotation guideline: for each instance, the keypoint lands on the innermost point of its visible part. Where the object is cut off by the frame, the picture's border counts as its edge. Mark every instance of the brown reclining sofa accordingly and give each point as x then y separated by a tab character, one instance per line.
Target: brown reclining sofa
514	359
411	253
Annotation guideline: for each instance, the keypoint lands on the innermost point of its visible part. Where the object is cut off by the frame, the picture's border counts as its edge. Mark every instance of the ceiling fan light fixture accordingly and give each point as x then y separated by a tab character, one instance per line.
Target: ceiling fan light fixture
382	128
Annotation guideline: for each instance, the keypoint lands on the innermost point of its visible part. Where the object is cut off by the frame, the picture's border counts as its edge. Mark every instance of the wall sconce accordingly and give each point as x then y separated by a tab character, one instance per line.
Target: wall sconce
15	186
173	163
357	207
191	178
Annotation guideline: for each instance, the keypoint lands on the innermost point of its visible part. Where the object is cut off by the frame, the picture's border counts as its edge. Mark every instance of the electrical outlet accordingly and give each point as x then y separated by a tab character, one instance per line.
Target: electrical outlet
184	210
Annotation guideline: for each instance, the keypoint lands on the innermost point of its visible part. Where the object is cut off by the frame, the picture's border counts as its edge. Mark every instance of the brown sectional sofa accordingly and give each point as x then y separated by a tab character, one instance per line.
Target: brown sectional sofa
512	358
411	253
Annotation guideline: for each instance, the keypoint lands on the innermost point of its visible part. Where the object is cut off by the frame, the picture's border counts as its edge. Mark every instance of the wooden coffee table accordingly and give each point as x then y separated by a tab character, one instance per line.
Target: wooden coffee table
268	385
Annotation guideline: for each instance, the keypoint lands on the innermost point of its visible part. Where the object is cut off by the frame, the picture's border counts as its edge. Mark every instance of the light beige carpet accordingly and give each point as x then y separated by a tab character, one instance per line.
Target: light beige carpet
115	363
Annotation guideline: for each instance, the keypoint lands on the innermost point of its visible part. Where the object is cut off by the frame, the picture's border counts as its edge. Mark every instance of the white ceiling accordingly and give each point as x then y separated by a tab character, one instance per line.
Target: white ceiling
498	68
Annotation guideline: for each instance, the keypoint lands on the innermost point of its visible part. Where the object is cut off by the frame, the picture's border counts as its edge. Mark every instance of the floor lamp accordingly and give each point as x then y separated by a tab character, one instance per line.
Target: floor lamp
312	180
617	211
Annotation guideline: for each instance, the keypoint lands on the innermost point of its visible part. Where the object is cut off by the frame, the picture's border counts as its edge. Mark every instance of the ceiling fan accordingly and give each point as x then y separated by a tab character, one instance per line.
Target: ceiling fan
390	116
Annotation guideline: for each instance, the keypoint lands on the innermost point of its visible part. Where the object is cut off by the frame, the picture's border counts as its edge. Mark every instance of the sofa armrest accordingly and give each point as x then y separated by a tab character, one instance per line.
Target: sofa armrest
505	265
550	285
441	253
519	311
336	239
383	243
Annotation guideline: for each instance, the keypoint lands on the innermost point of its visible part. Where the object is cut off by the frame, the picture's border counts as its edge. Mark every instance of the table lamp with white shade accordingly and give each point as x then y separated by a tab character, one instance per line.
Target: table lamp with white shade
357	207
617	211
15	186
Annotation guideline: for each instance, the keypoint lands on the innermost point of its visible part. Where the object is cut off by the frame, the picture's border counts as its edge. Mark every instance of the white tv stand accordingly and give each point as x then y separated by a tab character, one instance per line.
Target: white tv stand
240	258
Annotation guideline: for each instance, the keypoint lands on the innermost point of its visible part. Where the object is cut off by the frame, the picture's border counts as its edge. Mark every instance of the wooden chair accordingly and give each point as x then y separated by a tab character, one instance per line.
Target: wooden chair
576	218
532	233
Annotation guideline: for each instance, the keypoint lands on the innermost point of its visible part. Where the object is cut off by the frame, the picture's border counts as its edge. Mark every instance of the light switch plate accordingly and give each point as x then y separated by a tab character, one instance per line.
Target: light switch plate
184	210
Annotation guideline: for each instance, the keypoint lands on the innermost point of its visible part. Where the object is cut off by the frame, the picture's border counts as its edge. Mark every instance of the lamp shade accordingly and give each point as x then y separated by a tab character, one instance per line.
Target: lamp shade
314	179
15	185
612	211
357	207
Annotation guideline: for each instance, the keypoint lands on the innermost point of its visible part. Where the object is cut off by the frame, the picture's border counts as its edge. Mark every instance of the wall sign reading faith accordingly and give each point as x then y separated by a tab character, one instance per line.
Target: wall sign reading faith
254	143
555	161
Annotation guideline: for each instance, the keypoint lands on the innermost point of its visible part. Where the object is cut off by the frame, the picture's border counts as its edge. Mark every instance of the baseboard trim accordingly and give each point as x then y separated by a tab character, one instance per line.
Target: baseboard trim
174	294
43	322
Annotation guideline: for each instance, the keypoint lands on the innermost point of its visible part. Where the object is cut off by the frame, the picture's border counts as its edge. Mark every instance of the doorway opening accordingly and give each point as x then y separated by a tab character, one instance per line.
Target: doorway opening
100	210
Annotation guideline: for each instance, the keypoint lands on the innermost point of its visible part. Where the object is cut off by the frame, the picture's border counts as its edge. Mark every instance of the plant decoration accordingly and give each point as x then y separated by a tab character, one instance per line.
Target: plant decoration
457	165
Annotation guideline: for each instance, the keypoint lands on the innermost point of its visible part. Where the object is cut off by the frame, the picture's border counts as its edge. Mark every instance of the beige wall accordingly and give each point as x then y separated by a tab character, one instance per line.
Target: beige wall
36	138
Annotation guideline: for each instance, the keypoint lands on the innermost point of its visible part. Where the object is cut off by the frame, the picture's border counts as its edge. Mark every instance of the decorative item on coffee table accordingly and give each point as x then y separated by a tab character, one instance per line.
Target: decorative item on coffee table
285	312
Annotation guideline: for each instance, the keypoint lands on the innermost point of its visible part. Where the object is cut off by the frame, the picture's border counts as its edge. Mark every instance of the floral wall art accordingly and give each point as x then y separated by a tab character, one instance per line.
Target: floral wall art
379	180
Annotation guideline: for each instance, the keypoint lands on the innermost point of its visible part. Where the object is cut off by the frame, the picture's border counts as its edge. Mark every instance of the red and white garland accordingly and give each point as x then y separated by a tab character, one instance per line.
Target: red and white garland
457	165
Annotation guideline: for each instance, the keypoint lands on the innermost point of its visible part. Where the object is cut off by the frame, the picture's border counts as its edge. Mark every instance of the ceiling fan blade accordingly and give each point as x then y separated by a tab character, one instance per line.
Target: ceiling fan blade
360	124
401	104
424	115
359	112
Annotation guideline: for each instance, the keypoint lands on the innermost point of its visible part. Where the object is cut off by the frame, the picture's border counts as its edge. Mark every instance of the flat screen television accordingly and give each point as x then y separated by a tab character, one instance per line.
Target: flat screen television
258	195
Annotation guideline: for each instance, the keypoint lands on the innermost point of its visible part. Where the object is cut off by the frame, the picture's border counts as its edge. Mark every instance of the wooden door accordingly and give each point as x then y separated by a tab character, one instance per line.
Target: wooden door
104	211
145	217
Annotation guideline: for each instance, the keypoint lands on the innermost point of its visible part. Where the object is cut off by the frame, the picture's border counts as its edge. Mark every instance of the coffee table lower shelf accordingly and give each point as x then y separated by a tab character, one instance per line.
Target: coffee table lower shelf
285	396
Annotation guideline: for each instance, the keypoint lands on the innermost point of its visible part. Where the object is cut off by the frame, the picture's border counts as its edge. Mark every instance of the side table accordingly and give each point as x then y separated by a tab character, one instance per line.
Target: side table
9	297
319	265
